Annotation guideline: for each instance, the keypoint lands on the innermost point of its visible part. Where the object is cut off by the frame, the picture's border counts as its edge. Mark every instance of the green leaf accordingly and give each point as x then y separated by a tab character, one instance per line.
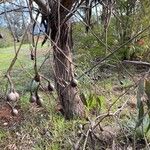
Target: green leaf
84	99
147	87
147	91
90	100
99	102
140	115
148	128
140	93
140	106
94	104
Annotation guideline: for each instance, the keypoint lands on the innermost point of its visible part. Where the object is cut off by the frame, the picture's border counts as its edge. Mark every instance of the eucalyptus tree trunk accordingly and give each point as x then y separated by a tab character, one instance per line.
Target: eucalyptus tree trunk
68	95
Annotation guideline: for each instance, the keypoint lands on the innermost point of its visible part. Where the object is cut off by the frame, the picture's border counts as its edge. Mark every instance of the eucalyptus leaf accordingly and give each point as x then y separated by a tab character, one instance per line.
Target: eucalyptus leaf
140	106
147	91
99	102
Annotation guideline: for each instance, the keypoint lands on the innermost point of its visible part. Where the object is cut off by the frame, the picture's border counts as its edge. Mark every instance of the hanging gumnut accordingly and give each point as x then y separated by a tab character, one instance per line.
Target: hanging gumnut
74	82
14	112
37	78
11	96
32	98
32	55
50	87
39	100
17	95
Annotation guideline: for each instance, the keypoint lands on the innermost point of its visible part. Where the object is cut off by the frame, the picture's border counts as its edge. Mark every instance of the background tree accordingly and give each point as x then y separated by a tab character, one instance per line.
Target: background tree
129	16
16	16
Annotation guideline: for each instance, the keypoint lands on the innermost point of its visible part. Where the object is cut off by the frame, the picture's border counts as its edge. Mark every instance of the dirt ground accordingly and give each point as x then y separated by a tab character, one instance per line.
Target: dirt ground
7	118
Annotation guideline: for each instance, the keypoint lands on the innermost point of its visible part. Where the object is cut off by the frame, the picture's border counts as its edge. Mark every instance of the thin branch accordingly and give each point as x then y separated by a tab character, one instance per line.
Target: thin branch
136	63
16	55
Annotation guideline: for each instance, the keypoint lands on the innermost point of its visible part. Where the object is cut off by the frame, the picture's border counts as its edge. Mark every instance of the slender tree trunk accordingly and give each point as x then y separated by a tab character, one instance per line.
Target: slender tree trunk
68	95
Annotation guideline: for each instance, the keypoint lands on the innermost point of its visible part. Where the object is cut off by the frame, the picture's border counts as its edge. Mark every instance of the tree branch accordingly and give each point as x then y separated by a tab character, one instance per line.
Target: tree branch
15	10
43	6
137	63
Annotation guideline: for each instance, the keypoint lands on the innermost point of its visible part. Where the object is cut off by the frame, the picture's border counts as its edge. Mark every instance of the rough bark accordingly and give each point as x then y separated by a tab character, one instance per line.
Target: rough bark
68	95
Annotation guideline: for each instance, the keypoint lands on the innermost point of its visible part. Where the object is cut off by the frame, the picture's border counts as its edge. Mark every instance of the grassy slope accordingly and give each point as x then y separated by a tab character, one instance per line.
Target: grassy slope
42	128
6	55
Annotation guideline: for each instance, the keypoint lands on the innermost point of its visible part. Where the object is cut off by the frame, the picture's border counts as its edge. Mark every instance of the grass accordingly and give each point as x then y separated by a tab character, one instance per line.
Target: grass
23	69
41	128
8	53
2	134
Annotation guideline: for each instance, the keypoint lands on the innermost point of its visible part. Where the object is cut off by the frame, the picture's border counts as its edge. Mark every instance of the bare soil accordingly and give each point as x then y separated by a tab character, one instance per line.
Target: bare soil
7	119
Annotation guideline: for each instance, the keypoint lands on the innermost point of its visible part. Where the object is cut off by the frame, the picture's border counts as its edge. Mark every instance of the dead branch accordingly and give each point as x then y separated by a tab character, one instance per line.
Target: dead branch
136	63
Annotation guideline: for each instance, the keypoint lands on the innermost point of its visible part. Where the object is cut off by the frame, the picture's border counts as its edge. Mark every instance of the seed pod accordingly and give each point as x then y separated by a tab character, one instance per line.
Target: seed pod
11	96
17	95
32	56
14	112
74	82
121	82
39	102
37	78
75	74
32	99
50	87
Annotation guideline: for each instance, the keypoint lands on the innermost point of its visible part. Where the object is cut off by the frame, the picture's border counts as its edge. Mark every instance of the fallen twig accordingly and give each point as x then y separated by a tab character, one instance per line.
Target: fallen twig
136	62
